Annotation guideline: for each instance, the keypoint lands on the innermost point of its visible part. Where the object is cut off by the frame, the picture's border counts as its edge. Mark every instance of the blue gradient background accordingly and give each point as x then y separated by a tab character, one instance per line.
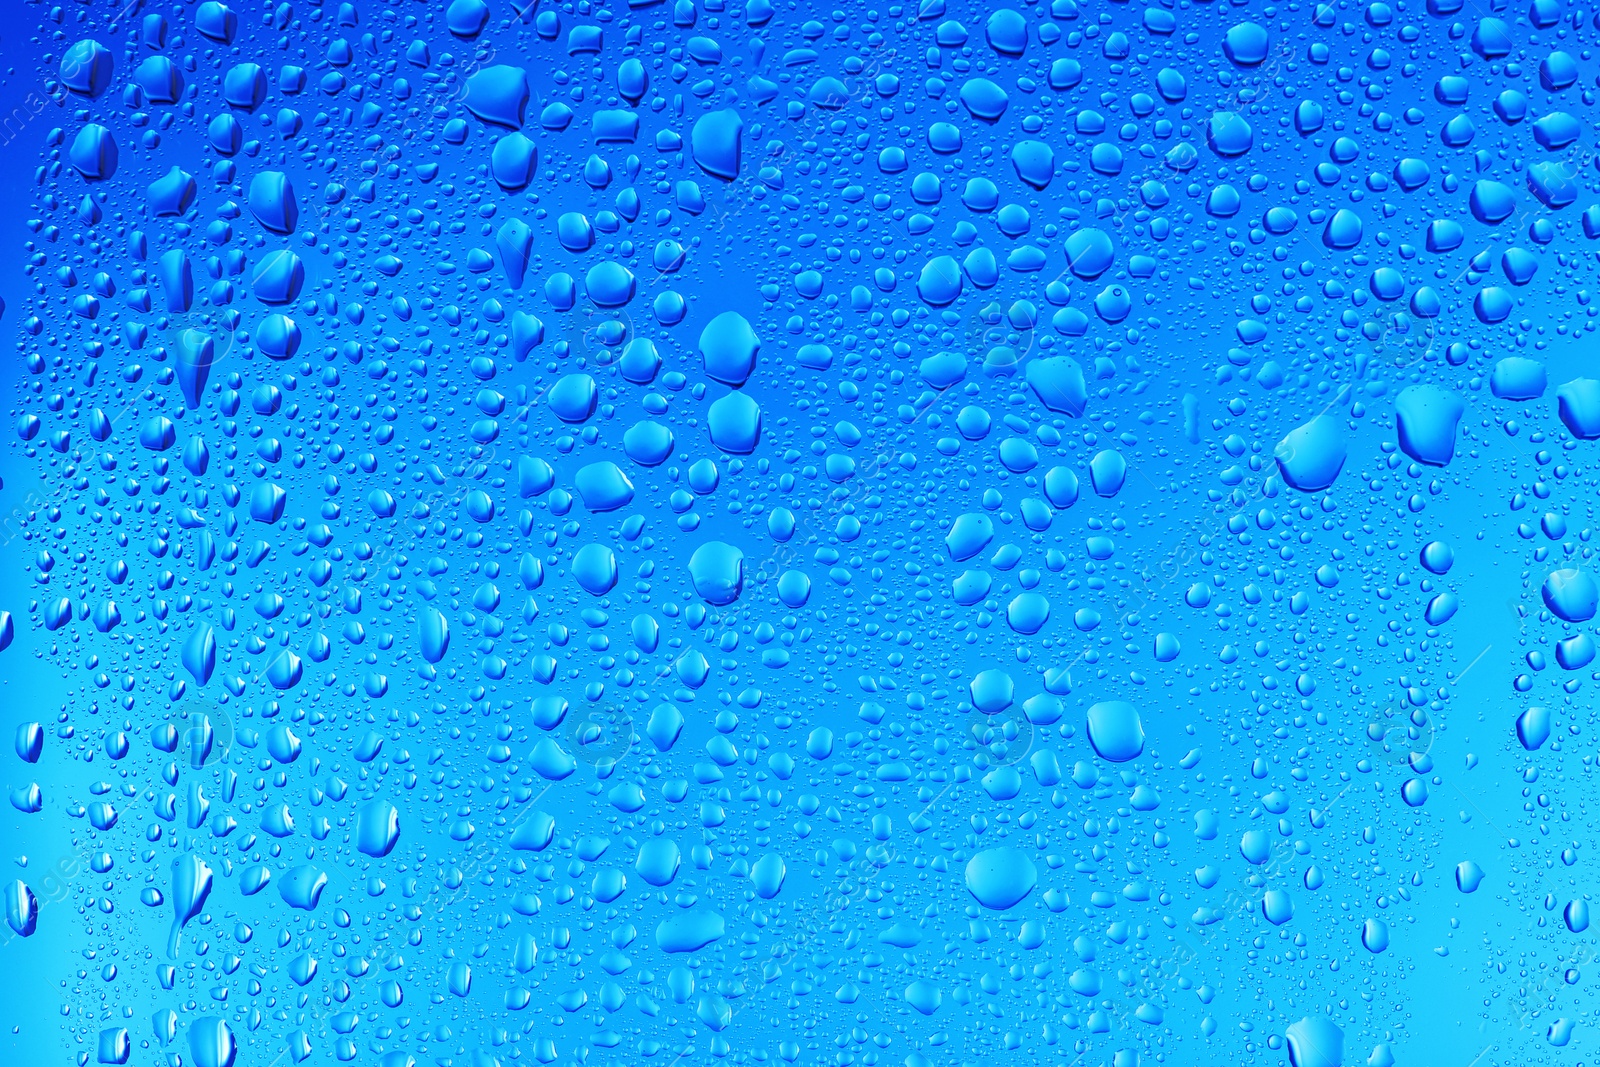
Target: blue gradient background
1467	980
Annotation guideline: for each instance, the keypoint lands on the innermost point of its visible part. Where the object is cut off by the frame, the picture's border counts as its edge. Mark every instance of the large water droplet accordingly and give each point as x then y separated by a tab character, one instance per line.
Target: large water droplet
999	878
1115	730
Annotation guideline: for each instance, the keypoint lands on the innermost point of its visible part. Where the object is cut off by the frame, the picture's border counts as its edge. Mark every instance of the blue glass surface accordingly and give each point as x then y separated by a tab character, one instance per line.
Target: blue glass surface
722	531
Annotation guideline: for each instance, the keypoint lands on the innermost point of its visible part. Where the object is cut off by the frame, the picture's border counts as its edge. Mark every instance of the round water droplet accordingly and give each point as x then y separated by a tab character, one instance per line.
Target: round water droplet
609	285
1570	594
734	424
211	1043
1427	417
767	875
1315	1042
717	571
992	691
573	397
377	828
657	861
1229	135
999	878
1245	45
1344	229
594	568
925	996
1375	935
1115	730
1089	253
1436	557
728	347
648	443
498	95
940	281
1468	876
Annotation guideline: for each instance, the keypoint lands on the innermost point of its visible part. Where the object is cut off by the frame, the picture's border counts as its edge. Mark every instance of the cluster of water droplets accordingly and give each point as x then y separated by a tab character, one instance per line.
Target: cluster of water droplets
721	530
